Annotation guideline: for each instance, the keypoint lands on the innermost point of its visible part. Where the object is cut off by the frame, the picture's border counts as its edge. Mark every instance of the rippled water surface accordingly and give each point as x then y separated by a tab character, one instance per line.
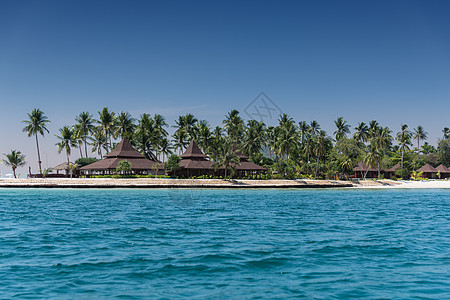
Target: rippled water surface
248	244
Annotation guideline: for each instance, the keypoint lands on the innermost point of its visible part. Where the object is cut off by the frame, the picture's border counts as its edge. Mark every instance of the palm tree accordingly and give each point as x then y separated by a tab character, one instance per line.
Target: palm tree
99	142
166	148
254	137
303	129
124	126
446	132
159	137
372	158
66	142
107	124
234	125
419	135
85	126
145	136
204	136
286	136
226	157
342	128
14	159
36	123
361	133
321	148
404	140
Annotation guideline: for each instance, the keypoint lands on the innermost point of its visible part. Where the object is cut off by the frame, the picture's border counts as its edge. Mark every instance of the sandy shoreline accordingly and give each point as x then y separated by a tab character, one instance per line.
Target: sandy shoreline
167	183
212	183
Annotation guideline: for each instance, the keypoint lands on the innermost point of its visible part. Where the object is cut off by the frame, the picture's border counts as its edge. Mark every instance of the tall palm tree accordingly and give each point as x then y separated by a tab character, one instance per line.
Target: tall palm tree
287	136
446	132
66	142
361	134
342	128
85	126
303	129
404	140
204	136
124	126
14	159
234	125
321	148
420	135
166	148
99	142
36	123
226	157
144	136
254	137
107	122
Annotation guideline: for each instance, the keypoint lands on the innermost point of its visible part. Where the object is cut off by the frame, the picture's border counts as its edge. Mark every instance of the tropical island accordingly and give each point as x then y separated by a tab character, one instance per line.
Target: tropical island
142	148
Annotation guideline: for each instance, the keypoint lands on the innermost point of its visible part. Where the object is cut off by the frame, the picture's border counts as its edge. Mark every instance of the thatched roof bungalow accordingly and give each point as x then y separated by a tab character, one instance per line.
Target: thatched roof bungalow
428	171
246	166
194	163
124	151
444	171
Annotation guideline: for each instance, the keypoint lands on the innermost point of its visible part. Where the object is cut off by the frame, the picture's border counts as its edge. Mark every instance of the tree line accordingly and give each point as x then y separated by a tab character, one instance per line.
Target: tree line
288	149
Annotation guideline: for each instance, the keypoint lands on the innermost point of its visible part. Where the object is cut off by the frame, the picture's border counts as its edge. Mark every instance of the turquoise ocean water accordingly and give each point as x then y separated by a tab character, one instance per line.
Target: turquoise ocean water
214	244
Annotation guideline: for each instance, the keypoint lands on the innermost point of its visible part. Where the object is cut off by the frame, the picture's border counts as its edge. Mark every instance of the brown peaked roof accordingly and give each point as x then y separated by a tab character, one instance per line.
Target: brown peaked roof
124	151
443	169
193	151
362	167
428	169
394	168
62	166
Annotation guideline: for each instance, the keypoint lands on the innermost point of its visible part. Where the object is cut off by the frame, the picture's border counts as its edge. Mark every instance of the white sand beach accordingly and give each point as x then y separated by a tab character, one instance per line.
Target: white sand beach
404	184
214	183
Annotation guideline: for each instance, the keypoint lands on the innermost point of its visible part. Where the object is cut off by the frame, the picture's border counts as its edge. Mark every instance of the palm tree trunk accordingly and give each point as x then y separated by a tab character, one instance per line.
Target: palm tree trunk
402	160
14	172
39	155
85	146
81	152
317	168
68	164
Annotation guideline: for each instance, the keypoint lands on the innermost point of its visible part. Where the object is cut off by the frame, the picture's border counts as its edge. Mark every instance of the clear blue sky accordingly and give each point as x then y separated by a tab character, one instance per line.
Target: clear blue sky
363	60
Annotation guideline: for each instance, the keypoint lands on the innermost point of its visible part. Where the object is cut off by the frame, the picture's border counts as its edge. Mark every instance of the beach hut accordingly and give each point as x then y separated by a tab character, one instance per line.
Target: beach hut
246	167
391	171
194	163
428	171
62	167
124	151
361	168
444	171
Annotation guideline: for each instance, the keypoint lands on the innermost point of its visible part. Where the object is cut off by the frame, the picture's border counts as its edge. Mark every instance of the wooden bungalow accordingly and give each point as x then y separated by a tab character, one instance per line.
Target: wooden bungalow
444	171
124	151
391	171
361	168
428	171
194	163
246	167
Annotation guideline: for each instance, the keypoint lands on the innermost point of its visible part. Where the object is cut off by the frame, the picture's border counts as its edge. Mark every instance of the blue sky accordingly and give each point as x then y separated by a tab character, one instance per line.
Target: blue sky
363	60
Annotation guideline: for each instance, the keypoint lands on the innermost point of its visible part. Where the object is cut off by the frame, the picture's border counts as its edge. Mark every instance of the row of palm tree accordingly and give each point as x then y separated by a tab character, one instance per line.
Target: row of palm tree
288	142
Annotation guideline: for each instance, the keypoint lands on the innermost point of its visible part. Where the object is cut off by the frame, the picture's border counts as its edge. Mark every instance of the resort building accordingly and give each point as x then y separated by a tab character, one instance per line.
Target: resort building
444	172
194	163
361	168
124	151
428	171
246	168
